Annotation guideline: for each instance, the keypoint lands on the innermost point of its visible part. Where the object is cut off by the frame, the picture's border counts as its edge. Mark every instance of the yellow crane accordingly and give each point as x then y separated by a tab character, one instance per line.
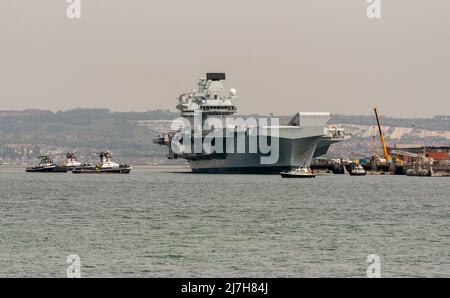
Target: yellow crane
383	143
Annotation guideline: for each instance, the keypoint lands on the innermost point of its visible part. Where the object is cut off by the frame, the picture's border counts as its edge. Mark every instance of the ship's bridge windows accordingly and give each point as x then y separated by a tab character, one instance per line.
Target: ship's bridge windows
208	107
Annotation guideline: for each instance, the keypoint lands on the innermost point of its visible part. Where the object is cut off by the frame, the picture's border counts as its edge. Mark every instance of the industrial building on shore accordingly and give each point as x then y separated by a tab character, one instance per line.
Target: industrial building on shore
440	154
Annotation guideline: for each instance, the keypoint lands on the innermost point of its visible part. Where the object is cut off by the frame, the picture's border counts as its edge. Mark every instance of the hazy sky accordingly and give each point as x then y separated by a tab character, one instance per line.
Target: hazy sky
282	56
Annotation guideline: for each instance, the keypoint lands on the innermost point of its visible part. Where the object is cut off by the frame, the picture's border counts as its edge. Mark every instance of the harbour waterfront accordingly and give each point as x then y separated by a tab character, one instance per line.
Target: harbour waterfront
168	222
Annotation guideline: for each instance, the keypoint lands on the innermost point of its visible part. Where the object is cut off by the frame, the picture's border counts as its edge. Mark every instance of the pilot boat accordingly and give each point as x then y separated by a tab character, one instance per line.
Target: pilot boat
106	166
358	170
46	165
301	172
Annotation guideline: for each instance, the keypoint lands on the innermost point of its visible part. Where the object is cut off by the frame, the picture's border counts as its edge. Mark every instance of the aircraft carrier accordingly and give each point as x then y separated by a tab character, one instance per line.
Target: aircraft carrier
292	145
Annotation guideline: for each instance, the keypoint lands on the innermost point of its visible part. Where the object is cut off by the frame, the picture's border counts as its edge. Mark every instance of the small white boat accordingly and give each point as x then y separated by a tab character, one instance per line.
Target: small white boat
301	172
358	170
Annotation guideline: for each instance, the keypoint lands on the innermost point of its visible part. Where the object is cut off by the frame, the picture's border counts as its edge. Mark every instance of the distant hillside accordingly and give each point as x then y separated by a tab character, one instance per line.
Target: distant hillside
81	130
419	123
88	130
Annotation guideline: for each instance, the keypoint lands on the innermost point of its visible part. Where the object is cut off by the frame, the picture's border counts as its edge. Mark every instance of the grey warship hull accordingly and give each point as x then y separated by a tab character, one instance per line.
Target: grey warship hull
292	153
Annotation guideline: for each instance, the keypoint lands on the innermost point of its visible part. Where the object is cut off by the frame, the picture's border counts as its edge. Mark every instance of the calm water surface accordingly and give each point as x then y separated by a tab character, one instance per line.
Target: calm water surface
164	223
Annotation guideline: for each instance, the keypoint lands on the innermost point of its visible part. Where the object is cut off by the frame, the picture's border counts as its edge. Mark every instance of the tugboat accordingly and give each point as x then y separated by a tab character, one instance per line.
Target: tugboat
106	166
301	172
72	161
46	165
358	170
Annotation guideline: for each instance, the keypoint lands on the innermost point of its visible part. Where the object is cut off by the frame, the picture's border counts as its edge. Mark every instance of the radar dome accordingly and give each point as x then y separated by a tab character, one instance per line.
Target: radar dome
233	92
